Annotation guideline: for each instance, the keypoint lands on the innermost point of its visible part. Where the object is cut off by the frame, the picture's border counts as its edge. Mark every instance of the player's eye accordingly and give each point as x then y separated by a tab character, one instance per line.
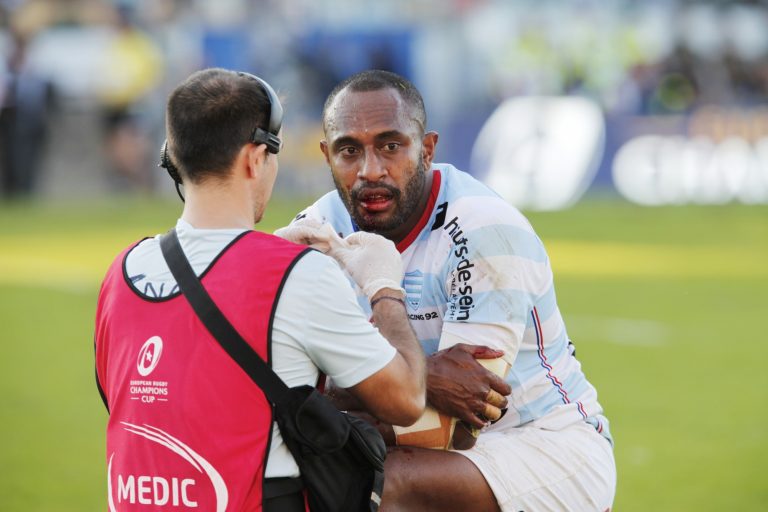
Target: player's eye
391	146
348	151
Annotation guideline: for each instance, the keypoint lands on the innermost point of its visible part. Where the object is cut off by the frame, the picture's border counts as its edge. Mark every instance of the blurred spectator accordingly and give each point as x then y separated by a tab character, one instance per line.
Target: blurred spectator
637	60
23	120
676	87
132	71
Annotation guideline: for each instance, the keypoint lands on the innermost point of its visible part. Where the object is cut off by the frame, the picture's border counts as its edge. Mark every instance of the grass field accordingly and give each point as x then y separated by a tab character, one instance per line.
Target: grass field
668	308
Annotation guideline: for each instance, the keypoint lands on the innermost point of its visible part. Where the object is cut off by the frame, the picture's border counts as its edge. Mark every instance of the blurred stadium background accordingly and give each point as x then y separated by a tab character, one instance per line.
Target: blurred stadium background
633	134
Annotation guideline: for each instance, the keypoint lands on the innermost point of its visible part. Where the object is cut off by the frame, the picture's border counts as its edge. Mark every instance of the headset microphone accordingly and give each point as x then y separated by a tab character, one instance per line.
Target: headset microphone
173	172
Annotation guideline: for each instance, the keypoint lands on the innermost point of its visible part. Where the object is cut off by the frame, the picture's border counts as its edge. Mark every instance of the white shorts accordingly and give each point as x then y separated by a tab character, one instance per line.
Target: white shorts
531	469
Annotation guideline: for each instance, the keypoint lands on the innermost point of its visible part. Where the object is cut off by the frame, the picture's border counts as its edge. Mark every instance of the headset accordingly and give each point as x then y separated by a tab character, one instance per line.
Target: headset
267	137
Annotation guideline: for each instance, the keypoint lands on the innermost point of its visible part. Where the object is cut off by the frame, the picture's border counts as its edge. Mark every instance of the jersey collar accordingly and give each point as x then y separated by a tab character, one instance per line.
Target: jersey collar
410	237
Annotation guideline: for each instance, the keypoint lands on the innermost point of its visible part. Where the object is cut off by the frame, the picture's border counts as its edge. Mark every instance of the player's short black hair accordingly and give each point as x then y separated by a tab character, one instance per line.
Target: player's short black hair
209	117
377	79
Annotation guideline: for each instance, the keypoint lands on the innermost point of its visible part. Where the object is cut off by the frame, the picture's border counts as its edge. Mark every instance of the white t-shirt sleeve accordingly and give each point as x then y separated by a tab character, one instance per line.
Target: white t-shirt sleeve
319	323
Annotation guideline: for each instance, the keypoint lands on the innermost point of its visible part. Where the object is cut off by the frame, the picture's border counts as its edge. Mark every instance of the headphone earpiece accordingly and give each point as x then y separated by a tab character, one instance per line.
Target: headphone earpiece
270	135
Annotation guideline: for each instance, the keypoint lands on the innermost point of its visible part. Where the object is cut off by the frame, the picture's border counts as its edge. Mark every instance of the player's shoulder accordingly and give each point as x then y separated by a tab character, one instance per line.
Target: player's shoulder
467	199
328	208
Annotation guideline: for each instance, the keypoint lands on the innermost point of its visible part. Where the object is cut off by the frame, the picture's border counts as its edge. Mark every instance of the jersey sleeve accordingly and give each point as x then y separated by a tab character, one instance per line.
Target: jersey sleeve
494	272
318	317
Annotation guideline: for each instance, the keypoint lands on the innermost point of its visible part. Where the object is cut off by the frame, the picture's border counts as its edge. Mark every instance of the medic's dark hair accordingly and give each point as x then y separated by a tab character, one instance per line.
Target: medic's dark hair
212	114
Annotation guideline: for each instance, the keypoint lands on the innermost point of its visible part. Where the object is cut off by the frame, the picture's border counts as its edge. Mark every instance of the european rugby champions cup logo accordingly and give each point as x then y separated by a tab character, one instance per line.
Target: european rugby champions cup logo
149	355
144	389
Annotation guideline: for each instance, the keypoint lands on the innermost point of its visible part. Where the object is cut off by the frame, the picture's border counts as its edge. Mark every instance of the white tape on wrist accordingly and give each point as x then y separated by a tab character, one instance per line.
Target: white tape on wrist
374	286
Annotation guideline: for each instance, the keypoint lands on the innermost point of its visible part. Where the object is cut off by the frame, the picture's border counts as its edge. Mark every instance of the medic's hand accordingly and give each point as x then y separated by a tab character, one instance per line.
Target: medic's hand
459	386
312	232
371	260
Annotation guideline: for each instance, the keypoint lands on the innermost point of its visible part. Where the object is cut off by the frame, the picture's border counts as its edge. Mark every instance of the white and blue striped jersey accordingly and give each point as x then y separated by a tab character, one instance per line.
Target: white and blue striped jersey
476	272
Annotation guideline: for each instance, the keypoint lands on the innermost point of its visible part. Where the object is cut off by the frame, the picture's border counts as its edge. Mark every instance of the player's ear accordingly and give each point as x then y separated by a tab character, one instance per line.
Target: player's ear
428	144
324	149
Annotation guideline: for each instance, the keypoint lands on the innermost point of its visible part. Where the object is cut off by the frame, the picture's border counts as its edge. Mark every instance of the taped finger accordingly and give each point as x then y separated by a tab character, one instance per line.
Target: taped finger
491	412
495	398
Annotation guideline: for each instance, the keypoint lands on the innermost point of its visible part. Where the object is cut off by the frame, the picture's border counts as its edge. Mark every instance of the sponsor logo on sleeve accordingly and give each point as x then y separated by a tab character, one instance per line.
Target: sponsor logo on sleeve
439	216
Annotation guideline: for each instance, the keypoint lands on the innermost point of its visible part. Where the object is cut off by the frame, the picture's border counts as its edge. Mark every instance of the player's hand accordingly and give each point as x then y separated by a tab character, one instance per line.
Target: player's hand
459	386
371	260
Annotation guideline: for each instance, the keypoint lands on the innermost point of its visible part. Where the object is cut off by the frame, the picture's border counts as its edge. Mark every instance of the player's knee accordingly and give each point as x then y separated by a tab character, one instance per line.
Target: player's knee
396	480
393	470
